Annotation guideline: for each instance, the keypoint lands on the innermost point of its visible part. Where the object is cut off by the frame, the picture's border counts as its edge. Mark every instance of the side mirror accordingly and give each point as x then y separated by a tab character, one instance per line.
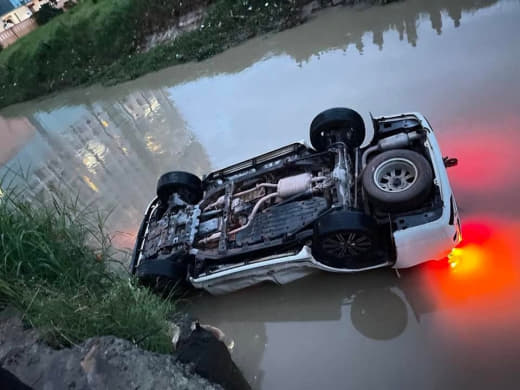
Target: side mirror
450	162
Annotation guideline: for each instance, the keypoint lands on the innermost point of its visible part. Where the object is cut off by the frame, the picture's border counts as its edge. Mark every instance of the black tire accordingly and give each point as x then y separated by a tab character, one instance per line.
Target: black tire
163	276
337	125
406	188
187	185
345	239
378	314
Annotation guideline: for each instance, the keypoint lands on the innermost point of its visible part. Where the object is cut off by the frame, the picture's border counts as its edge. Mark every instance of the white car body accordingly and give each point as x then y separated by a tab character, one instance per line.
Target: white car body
414	245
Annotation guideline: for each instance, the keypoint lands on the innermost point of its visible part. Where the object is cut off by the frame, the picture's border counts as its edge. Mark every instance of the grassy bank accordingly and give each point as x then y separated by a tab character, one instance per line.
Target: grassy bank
55	268
100	41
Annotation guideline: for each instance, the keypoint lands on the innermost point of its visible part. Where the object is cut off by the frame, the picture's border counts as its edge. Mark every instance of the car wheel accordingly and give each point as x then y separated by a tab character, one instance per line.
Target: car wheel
187	185
337	125
345	239
162	276
398	180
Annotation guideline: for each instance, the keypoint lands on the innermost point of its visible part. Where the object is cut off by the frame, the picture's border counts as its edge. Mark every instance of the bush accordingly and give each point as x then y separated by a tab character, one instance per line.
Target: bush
46	13
57	268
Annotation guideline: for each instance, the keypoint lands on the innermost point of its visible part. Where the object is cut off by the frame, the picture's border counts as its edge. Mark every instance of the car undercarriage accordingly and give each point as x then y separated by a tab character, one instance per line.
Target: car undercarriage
340	199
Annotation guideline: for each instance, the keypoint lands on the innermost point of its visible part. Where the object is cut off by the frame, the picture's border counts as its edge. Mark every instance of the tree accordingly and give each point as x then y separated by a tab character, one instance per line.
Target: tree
46	13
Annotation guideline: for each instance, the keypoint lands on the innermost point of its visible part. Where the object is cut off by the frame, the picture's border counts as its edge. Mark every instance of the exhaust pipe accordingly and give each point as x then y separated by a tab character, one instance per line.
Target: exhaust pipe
393	142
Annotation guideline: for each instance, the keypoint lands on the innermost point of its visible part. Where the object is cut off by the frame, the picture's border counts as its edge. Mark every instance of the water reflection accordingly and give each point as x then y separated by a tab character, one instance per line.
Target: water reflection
379	314
374	304
345	27
110	150
487	178
403	18
15	133
470	305
88	140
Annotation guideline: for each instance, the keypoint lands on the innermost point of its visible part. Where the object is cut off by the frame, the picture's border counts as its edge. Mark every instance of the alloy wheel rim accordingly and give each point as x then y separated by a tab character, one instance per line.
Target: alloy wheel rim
395	175
346	244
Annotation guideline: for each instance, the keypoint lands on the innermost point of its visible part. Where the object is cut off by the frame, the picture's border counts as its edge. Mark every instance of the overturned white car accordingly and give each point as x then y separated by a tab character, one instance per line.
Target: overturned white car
277	217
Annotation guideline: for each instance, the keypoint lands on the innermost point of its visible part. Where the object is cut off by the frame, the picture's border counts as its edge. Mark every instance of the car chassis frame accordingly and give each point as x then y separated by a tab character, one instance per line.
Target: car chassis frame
412	237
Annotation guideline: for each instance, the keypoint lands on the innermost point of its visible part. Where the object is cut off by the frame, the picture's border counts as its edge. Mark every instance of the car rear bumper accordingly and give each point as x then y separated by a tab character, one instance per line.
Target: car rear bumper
433	240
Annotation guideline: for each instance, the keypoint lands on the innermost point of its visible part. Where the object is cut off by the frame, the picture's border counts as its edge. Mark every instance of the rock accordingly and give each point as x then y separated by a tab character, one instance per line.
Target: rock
98	363
11	382
215	331
175	331
210	358
112	363
184	322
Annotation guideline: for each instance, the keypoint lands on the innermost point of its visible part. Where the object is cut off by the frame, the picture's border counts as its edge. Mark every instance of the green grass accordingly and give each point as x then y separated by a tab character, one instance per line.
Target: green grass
79	46
57	268
67	51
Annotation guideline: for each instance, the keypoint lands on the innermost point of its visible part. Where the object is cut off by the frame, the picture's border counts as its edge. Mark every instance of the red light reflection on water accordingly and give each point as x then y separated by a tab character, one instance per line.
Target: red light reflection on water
484	261
481	284
488	155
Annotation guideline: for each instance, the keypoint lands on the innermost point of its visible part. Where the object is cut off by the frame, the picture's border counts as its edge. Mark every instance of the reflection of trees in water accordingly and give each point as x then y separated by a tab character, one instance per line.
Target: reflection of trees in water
112	153
340	30
336	30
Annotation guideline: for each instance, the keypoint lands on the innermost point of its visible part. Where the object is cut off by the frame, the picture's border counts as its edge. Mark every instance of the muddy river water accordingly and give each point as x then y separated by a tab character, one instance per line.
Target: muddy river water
457	61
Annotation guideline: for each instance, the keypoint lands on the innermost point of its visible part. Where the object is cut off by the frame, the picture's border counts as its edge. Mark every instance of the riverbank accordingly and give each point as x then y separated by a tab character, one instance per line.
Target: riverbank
58	268
113	41
97	363
71	316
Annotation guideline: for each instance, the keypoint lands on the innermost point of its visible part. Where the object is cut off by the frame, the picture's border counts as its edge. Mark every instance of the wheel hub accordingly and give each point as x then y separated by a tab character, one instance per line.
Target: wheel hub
345	244
395	175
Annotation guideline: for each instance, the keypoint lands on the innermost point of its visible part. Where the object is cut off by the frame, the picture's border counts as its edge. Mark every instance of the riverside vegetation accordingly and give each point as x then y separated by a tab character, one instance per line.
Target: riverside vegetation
58	270
102	40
